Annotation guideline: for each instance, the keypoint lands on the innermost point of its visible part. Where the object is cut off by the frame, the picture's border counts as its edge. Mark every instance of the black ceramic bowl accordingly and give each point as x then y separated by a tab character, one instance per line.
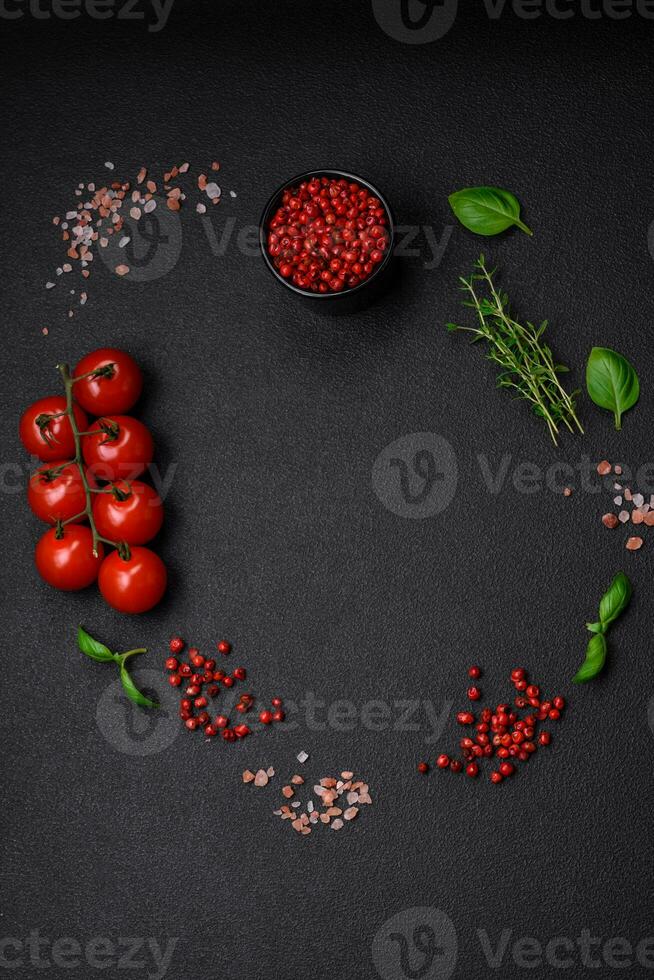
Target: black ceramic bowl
349	299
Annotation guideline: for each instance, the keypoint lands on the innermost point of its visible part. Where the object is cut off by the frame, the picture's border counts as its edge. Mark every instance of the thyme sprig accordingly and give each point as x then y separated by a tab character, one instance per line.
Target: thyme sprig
527	363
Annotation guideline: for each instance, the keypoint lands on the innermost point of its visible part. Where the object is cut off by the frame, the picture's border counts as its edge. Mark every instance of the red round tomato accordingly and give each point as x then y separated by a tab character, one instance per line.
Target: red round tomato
135	520
115	389
122	451
135	585
56	492
46	437
68	562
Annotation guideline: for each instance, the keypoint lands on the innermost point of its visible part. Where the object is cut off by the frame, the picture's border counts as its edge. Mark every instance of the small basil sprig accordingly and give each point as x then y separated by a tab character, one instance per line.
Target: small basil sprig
102	654
612	382
487	210
613	603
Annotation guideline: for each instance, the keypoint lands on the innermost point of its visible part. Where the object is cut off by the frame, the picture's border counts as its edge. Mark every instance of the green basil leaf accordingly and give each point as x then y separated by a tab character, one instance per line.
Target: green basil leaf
487	210
615	600
593	661
93	648
612	382
596	627
132	691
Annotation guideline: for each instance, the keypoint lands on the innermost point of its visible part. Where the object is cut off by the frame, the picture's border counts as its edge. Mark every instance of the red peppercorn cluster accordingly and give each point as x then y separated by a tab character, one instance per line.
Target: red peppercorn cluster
500	732
203	684
328	234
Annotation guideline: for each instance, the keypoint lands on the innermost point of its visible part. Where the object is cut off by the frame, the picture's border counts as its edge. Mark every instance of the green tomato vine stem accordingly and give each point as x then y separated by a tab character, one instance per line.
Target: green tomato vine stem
121	546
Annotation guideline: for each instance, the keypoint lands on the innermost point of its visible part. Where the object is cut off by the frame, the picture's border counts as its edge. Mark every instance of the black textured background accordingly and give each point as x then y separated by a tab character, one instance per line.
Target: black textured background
275	538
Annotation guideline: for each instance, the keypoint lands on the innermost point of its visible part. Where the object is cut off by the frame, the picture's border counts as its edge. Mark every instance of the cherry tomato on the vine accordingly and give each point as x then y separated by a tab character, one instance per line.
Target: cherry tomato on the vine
135	520
133	585
56	492
122	451
108	394
52	439
68	562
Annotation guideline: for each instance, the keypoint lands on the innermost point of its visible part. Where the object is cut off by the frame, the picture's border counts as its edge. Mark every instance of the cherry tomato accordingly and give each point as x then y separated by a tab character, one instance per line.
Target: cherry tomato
56	492
135	520
108	395
52	439
124	455
135	585
68	562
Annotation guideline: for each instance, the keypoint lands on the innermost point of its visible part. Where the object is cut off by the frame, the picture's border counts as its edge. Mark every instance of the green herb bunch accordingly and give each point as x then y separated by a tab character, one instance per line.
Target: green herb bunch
528	367
613	603
99	652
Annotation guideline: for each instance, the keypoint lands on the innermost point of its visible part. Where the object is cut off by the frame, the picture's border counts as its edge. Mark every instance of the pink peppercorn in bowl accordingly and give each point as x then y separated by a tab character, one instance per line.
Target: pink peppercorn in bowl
328	236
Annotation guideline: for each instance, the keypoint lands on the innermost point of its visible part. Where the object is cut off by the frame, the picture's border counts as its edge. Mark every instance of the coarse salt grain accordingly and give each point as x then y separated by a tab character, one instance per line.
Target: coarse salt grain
122	270
212	190
109	165
302	756
634	544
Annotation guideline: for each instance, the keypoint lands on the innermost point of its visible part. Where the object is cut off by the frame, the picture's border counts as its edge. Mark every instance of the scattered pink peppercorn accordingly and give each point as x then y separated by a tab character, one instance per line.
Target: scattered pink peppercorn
176	645
224	647
423	767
